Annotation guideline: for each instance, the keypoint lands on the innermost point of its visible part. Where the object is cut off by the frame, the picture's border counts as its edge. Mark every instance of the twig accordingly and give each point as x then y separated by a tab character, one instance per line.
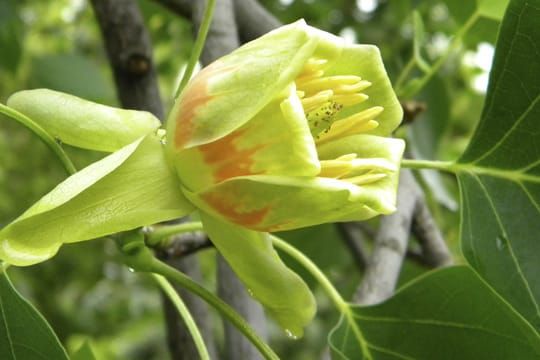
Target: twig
253	20
385	262
353	238
434	249
222	39
130	54
391	243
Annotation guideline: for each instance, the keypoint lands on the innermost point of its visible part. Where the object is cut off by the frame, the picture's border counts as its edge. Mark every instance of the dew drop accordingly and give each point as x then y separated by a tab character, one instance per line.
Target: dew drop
501	242
131	270
250	292
290	334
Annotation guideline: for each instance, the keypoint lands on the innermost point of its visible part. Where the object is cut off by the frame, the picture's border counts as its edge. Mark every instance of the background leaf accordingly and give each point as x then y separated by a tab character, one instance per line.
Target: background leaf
24	333
500	171
448	314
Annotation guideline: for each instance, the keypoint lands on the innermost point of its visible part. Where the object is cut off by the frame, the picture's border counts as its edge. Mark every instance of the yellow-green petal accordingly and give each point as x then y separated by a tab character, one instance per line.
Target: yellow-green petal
229	92
130	188
284	295
277	141
365	61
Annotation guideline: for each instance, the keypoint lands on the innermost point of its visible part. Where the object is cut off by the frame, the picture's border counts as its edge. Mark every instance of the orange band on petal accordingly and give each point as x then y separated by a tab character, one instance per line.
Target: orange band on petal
194	96
227	160
249	219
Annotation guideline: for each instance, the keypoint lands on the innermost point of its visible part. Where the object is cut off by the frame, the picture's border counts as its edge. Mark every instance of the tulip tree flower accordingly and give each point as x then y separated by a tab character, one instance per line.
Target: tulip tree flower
290	130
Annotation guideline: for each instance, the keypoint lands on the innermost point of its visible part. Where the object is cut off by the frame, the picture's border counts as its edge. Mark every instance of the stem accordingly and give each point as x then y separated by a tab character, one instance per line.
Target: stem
447	166
331	291
198	46
437	65
404	73
171	273
42	134
342	306
158	233
185	314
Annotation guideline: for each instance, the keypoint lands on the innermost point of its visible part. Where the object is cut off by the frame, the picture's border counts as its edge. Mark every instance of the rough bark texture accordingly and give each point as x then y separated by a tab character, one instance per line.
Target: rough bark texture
222	39
130	53
391	242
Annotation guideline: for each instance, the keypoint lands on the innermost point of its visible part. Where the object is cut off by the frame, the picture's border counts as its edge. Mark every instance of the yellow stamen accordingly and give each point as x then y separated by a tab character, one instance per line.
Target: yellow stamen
334	168
313	68
354	124
378	164
351	88
311	85
350	99
312	102
365	179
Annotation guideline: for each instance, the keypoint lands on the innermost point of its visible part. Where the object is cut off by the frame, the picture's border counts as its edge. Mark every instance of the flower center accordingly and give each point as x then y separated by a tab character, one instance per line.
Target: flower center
323	98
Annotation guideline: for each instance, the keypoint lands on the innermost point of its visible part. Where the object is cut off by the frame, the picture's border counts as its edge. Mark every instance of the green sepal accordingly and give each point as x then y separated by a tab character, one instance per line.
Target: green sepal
130	188
284	295
83	123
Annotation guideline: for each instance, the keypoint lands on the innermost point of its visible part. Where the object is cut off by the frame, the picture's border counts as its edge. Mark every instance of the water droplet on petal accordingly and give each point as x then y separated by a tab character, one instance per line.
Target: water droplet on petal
290	334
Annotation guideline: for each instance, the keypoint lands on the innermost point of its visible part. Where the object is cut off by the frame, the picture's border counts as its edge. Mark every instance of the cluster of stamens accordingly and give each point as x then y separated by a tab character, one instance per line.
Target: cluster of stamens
323	98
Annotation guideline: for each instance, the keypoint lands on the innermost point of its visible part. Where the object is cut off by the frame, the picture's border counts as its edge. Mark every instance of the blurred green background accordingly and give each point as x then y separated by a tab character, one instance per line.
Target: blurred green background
84	291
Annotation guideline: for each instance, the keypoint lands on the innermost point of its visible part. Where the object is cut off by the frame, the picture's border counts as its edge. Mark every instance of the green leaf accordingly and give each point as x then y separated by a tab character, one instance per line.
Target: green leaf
84	353
447	314
499	173
24	333
130	188
493	9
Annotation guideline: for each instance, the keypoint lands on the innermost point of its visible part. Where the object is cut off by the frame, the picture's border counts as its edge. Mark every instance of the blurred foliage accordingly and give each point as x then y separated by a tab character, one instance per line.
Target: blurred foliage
84	292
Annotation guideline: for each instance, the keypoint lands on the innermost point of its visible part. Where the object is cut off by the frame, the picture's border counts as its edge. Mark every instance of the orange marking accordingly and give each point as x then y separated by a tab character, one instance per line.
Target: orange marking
227	209
227	160
194	96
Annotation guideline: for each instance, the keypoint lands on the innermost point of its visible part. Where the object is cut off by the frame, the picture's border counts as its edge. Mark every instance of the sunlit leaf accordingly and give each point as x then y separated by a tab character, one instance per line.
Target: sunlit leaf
447	314
24	333
499	173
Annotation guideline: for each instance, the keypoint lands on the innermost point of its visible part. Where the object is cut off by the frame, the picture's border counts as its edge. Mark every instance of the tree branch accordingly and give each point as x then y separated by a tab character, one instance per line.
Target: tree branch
385	262
129	50
391	243
253	20
130	53
222	39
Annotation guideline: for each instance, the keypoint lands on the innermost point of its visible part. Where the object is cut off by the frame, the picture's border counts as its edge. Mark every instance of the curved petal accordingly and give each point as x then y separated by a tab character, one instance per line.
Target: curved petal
284	295
365	61
277	141
230	91
130	188
272	203
83	123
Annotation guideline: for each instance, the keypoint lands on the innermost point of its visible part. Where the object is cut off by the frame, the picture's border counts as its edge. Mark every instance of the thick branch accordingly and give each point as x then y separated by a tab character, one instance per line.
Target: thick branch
391	242
130	54
222	39
253	20
390	247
